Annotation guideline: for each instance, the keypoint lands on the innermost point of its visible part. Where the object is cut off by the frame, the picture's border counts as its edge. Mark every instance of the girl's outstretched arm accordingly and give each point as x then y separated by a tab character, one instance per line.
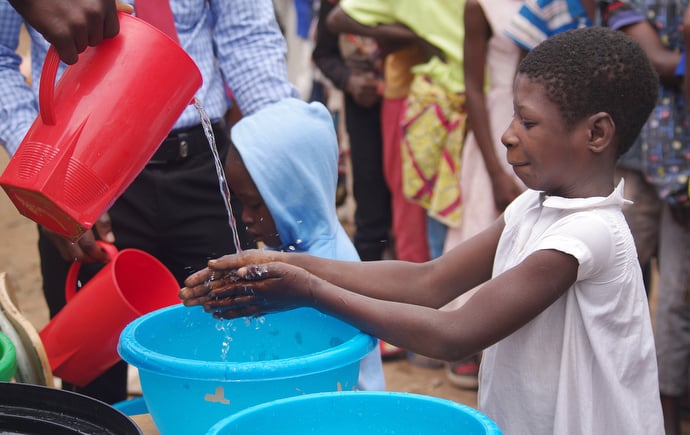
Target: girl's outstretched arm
432	284
500	307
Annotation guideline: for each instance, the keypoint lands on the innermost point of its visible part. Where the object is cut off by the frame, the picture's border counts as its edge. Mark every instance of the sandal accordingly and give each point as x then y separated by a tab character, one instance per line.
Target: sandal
388	351
424	361
464	373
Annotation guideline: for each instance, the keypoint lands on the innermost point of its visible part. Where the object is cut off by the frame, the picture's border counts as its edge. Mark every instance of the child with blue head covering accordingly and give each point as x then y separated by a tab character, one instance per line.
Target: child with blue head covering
283	167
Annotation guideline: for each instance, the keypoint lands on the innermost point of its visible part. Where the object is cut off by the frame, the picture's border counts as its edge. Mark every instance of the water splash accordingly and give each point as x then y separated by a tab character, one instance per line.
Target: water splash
227	328
222	182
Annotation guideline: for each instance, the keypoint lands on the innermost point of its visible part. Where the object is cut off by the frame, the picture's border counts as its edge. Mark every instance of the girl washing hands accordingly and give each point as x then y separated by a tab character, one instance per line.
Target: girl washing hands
562	312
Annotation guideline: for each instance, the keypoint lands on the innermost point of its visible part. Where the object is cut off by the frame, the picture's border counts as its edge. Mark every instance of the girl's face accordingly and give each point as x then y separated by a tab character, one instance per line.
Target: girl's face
255	214
543	152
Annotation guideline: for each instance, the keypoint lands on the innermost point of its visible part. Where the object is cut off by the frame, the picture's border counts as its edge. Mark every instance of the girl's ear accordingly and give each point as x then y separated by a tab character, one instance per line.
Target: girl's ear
602	131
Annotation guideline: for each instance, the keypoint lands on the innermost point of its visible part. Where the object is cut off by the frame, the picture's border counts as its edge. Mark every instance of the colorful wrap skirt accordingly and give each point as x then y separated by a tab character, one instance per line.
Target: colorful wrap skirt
434	129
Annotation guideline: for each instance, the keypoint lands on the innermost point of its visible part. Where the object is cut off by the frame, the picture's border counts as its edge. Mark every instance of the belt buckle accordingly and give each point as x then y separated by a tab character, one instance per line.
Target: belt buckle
183	150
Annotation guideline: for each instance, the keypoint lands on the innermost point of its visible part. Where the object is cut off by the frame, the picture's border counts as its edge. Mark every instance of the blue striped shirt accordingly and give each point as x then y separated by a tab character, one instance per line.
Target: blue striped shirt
236	39
538	20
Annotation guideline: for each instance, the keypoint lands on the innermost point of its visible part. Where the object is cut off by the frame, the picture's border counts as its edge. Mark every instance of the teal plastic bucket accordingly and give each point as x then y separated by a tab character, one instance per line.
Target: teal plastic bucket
196	370
8	358
358	412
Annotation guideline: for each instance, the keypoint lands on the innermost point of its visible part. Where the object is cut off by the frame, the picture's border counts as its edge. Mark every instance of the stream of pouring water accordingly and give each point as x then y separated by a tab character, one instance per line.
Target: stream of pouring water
224	326
222	182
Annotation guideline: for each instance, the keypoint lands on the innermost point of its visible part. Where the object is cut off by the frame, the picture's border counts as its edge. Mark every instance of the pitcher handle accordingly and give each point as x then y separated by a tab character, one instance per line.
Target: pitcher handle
46	89
73	272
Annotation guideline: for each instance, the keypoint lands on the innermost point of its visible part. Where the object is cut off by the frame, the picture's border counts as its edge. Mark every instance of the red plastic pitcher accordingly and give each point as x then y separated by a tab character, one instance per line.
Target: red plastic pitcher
81	340
99	126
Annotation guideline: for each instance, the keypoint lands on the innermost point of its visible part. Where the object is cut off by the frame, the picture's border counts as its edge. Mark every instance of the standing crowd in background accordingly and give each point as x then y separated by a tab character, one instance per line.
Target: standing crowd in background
421	97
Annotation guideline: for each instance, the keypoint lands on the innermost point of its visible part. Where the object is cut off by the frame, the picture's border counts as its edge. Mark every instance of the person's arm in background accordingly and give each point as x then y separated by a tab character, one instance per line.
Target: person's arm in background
251	51
477	34
326	54
19	105
666	62
391	36
621	16
362	86
71	26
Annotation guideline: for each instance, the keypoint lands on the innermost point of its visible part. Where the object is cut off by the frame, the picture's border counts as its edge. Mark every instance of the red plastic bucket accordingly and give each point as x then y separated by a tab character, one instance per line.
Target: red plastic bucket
99	126
81	340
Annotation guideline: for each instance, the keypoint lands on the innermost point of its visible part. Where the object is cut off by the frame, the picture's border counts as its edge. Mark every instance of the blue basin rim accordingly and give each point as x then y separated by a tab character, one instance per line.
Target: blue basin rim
344	354
343	398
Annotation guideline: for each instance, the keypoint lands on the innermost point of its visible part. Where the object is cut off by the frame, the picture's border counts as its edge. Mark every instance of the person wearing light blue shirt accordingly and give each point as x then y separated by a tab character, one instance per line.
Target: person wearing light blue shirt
254	68
174	209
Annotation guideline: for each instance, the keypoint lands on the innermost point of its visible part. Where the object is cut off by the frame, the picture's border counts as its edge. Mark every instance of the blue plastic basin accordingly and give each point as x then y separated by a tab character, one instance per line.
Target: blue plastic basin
358	412
196	370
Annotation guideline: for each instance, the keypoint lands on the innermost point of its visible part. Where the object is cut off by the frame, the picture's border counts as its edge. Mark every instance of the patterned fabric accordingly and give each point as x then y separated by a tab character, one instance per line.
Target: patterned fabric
663	147
665	138
541	19
666	149
217	34
434	127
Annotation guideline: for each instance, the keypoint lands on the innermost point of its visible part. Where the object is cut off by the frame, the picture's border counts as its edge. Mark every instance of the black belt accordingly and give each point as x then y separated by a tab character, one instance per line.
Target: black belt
184	143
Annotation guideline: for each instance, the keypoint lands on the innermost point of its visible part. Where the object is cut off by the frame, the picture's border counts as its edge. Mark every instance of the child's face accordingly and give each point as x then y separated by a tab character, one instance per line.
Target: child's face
255	214
542	150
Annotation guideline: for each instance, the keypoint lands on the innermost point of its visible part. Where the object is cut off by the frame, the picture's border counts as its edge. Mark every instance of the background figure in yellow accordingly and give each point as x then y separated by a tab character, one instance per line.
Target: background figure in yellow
433	123
433	108
434	120
433	135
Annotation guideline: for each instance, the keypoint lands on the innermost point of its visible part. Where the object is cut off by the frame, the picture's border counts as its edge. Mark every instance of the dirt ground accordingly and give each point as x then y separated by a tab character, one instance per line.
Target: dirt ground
19	258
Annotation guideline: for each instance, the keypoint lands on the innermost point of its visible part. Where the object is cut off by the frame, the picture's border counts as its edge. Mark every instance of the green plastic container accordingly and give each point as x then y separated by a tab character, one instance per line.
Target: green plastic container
8	358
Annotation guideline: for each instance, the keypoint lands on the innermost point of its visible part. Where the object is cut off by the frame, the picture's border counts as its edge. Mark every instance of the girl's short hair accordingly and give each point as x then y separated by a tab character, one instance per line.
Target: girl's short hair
596	69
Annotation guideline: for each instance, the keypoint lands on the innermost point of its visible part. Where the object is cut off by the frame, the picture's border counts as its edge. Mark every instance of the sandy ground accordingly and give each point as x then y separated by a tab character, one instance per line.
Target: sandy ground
19	257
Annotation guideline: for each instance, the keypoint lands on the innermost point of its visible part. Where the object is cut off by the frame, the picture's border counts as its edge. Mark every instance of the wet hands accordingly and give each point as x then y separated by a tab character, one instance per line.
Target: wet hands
247	284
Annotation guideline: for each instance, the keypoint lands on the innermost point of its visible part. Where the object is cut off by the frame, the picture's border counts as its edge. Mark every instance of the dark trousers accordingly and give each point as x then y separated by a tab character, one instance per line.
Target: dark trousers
369	189
173	211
